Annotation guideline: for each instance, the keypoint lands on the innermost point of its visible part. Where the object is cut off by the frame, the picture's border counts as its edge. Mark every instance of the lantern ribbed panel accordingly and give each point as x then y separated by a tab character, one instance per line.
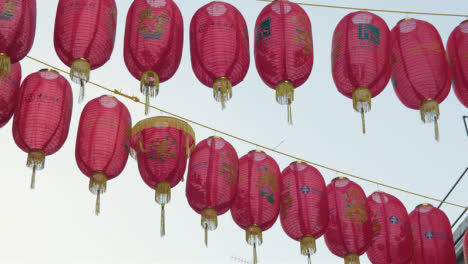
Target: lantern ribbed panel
433	239
283	44
103	139
212	175
219	44
361	53
43	113
304	204
162	154
349	228
258	193
85	29
9	88
18	20
457	49
420	69
392	240
465	247
153	38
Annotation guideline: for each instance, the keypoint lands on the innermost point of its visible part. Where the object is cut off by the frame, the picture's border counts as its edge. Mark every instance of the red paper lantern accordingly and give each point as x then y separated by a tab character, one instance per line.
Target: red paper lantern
42	117
284	52
420	72
433	239
349	231
154	37
257	202
9	87
457	49
304	205
161	146
219	44
84	36
103	142
392	240
361	59
17	31
212	180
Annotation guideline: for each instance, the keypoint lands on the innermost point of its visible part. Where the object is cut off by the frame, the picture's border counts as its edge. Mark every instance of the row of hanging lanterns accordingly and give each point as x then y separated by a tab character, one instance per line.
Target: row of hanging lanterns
365	53
252	187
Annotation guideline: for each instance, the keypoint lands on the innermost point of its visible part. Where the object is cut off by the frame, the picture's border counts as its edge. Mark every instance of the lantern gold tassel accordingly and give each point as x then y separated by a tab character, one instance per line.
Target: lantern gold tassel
308	245
163	197
5	65
352	258
98	186
36	160
79	73
430	113
253	236
362	103
222	91
209	221
285	96
149	86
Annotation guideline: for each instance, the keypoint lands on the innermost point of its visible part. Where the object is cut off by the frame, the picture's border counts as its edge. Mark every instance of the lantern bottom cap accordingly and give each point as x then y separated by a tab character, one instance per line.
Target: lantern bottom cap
308	245
352	258
5	65
163	193
253	235
222	91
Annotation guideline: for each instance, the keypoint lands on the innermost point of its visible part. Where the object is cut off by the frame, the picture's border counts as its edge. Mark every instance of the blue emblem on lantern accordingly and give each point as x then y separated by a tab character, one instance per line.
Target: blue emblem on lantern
393	220
429	234
305	189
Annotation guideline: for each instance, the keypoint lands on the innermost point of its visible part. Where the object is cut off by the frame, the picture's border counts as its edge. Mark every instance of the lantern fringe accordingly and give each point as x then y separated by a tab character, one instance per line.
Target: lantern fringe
163	197
149	86
285	95
98	186
36	160
253	235
209	221
5	65
222	91
79	73
308	245
430	113
362	103
352	258
163	121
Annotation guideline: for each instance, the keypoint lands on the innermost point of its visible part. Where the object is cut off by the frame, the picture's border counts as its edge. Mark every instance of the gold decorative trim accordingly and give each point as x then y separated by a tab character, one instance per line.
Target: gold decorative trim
424	204
340	178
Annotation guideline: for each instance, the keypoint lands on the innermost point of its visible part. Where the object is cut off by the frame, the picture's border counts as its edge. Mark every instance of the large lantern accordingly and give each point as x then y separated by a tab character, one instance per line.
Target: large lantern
9	87
420	72
361	58
161	146
154	36
349	231
17	31
219	44
212	180
392	240
84	36
284	52
304	205
103	142
42	117
257	203
433	239
457	49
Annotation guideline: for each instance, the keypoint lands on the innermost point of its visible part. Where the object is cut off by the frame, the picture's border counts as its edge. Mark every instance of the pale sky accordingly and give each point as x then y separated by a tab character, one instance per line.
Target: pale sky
55	223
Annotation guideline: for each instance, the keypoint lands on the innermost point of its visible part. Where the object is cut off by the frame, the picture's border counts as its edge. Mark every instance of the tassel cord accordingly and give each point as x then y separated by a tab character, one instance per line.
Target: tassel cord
33	178
163	221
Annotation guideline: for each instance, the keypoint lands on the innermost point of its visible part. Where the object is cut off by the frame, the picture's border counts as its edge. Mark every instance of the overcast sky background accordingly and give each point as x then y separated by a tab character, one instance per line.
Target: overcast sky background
56	224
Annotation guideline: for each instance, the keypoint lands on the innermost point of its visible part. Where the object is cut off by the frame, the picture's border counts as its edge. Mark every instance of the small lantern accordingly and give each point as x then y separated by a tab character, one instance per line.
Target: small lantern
84	36
420	72
457	49
42	117
212	180
103	142
154	37
257	203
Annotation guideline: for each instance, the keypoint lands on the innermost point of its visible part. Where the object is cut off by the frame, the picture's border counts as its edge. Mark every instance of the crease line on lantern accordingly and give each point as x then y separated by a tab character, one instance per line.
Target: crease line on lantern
137	100
374	10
